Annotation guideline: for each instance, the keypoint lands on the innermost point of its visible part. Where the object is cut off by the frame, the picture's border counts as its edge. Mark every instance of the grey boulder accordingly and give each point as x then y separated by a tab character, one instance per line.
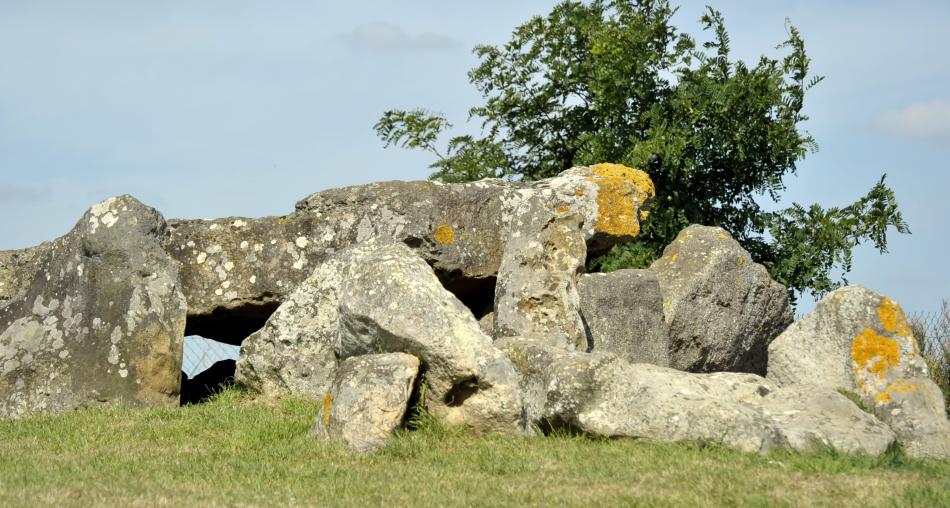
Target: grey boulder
605	395
623	313
367	400
96	316
723	309
860	341
391	301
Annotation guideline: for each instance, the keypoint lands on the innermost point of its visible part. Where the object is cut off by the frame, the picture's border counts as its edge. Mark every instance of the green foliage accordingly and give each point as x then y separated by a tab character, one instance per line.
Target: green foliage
614	81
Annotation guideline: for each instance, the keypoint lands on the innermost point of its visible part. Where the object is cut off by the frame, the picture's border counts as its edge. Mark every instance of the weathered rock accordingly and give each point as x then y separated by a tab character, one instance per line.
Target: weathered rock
487	324
391	301
101	318
623	311
368	400
235	266
536	292
605	395
295	352
812	418
858	340
723	310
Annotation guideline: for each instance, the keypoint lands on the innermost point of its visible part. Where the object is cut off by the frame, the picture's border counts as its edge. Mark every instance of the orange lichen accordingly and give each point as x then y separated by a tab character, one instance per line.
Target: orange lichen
874	352
892	318
579	192
563	209
444	235
900	386
622	191
327	404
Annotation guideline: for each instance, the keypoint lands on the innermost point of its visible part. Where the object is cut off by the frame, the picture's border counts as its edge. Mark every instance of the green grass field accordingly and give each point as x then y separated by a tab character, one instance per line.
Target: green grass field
238	451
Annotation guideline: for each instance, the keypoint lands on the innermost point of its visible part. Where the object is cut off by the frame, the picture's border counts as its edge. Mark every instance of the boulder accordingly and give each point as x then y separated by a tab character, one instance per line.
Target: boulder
97	316
536	292
723	309
623	311
295	352
367	401
391	301
858	340
605	395
234	266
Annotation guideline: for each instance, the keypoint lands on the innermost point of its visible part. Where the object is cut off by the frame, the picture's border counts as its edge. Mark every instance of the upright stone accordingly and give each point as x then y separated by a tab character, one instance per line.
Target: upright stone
295	352
722	308
623	311
858	340
536	292
101	319
367	400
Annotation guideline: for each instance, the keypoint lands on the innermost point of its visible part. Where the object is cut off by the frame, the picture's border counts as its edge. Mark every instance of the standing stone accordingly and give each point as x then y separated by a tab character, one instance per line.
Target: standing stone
536	293
367	401
859	341
723	309
294	353
391	301
101	319
623	311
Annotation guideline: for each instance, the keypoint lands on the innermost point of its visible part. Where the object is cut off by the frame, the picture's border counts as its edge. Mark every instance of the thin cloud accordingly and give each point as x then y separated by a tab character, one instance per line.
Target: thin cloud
381	36
10	193
922	121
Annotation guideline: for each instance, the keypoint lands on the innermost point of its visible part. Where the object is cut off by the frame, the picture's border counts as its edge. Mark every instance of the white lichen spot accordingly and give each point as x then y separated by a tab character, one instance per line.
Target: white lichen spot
273	242
213	227
229	266
219	291
109	219
302	242
201	257
239	223
226	284
258	247
64	354
244	244
123	373
113	355
253	279
191	243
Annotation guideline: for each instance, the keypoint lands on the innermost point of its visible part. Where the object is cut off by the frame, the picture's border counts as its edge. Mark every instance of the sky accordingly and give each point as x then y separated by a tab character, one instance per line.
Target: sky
221	108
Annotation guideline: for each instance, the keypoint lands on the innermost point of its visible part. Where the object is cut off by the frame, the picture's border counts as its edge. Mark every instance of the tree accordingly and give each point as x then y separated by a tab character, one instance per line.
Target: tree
613	81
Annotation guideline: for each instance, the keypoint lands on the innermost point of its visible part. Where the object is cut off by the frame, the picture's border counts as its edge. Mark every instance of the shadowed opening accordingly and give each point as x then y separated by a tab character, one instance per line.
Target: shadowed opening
476	294
231	325
461	391
212	346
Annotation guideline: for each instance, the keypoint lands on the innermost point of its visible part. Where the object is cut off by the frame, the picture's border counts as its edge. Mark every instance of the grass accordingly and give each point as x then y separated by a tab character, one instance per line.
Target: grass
235	450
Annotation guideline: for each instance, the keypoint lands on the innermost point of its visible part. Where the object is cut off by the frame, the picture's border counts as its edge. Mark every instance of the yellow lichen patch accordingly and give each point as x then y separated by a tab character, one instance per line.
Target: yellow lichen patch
892	318
579	192
563	209
644	214
900	386
444	234
622	191
674	257
874	352
327	404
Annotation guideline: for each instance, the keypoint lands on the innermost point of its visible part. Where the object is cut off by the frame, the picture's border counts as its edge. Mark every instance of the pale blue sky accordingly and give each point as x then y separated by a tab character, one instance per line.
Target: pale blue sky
216	108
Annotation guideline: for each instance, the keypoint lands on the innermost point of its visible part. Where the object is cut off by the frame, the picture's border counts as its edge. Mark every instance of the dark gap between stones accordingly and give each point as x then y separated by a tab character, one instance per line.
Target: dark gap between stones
476	294
226	326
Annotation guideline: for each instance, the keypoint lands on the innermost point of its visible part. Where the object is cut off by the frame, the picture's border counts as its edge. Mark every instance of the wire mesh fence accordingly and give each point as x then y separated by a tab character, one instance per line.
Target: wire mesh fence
932	329
201	353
